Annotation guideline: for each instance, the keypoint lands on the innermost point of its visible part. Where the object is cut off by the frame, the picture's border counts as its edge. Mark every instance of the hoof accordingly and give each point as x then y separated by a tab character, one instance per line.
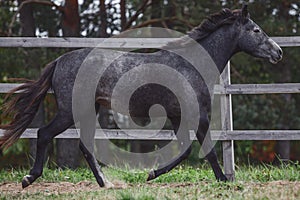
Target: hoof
151	175
223	179
109	184
27	180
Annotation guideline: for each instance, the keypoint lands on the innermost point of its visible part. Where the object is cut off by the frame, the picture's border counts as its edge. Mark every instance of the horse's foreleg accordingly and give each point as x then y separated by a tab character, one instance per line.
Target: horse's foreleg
164	169
208	148
59	124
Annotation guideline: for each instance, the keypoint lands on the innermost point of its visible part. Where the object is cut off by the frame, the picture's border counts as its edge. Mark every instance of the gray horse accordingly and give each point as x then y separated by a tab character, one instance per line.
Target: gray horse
222	35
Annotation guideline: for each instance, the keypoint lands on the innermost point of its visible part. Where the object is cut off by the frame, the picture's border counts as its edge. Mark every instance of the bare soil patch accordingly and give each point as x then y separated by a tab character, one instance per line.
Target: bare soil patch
88	186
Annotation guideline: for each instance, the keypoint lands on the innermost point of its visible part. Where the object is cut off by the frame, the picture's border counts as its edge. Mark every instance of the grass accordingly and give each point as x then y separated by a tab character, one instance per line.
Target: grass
260	182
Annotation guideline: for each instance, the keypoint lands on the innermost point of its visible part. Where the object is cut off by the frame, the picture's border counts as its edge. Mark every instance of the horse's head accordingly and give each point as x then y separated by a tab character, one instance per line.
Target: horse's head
254	41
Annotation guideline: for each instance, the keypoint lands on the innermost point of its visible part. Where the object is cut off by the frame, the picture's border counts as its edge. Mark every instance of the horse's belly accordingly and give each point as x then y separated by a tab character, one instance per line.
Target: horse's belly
141	101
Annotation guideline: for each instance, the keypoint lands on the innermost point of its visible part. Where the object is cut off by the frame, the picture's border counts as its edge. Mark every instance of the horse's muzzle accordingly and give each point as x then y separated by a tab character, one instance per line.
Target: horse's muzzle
276	52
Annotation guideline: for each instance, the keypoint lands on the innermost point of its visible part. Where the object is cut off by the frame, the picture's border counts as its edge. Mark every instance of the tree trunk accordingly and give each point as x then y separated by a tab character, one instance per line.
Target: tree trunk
156	12
170	12
27	20
283	150
68	154
103	20
70	19
123	14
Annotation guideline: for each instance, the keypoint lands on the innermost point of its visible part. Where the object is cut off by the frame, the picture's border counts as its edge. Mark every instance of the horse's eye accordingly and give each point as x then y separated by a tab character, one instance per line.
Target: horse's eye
256	30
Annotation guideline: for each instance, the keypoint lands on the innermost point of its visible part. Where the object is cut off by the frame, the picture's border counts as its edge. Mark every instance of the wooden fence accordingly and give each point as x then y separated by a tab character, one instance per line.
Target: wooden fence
227	135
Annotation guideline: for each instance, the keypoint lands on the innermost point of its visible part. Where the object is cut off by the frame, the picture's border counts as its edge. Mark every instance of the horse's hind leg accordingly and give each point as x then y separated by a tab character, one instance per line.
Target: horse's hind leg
162	170
60	123
86	145
208	148
94	165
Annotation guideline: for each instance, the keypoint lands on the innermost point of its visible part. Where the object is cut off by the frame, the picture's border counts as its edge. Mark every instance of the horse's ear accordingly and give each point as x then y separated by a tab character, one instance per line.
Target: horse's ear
245	13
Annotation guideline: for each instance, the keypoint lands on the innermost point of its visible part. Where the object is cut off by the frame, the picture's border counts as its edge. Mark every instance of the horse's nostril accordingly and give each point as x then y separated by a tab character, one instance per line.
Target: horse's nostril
279	52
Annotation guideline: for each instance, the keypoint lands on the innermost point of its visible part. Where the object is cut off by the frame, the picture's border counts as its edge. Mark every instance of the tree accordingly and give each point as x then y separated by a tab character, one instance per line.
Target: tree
103	20
27	20
123	14
70	19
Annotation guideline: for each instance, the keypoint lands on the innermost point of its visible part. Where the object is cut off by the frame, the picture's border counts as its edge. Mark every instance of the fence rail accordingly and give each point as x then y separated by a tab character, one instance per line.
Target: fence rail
170	135
278	88
26	42
227	135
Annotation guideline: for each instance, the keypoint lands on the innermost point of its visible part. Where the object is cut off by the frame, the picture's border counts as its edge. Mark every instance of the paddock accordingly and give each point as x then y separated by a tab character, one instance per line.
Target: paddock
180	183
227	135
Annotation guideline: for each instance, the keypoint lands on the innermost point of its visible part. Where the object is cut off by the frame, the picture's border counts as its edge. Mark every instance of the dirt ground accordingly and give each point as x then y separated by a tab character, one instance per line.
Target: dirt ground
283	188
54	188
86	186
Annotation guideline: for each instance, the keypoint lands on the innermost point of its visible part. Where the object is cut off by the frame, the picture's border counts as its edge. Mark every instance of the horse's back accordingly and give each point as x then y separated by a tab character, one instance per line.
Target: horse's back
146	95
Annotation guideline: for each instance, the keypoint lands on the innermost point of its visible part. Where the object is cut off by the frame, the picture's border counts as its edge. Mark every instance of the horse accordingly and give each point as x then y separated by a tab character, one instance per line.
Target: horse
222	35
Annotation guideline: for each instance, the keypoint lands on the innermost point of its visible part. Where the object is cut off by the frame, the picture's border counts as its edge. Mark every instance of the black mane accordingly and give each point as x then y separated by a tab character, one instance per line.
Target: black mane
209	25
213	22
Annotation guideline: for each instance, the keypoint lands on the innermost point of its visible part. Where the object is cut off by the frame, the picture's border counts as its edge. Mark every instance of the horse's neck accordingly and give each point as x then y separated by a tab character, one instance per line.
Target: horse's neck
221	46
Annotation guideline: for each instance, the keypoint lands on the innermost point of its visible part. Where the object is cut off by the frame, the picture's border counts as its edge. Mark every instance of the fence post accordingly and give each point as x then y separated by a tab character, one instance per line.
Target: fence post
227	125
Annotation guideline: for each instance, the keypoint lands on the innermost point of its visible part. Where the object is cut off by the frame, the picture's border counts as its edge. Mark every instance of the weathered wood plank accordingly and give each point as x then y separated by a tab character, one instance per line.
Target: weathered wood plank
170	135
124	43
6	87
113	134
109	43
287	41
262	88
227	125
219	89
256	135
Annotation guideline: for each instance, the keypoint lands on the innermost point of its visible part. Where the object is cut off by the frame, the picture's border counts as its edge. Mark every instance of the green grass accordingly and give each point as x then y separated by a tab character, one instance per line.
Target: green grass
260	182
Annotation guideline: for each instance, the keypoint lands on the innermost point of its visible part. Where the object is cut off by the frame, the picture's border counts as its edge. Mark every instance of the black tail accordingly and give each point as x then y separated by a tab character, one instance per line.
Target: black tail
24	105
